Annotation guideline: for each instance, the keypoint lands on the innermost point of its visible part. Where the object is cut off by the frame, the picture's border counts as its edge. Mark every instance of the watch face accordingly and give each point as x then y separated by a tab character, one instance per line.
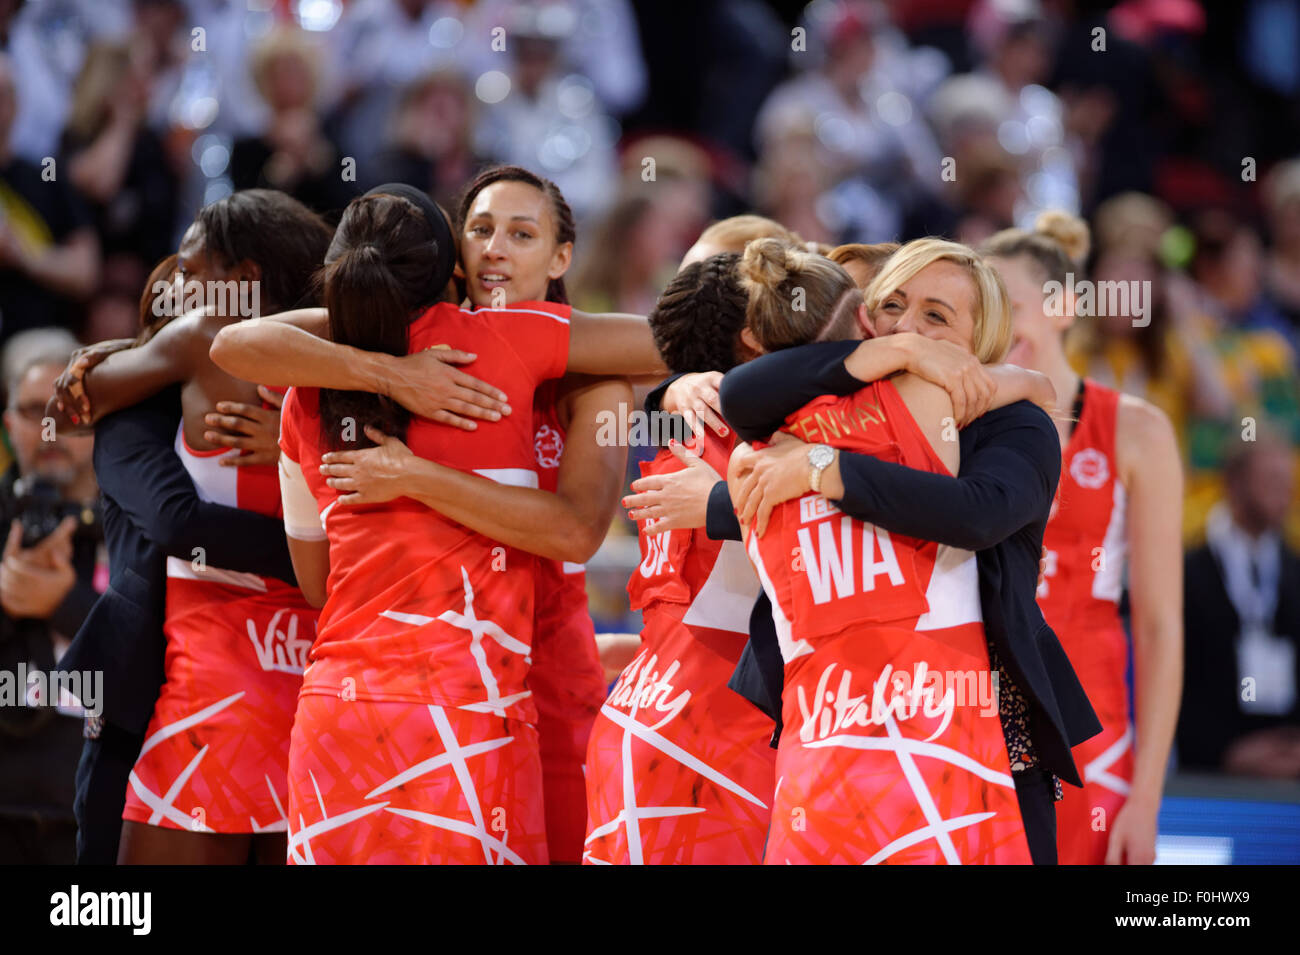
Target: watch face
820	456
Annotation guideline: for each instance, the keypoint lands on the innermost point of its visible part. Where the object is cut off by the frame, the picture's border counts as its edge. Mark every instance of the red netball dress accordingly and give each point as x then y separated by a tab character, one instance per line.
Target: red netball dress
567	680
1087	548
414	739
679	769
892	749
216	752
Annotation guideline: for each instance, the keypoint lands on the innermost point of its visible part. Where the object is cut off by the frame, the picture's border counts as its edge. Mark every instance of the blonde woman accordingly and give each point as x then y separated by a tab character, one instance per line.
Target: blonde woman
887	754
996	506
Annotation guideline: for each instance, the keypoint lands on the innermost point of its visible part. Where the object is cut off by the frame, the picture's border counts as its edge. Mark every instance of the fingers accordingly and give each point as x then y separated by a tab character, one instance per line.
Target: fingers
653	482
14	542
479	407
482	392
343	483
644	500
685	454
237	422
764	512
456	421
270	396
708	414
264	456
230	440
746	504
452	356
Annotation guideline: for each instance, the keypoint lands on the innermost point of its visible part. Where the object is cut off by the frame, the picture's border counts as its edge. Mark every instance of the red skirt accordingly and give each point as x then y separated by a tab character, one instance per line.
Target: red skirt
568	685
412	784
1084	816
217	749
893	752
679	769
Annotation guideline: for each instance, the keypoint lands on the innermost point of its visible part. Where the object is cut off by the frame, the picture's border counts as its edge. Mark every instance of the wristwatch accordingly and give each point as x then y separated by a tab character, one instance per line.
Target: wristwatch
820	457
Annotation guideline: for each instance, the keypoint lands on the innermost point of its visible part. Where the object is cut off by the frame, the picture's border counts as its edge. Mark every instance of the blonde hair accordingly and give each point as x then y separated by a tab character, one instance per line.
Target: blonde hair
795	296
872	256
101	72
991	310
284	41
733	234
1058	244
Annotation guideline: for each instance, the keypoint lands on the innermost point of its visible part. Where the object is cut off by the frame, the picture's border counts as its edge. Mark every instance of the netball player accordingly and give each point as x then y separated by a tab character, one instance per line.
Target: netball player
680	769
516	233
428	625
1117	509
209	784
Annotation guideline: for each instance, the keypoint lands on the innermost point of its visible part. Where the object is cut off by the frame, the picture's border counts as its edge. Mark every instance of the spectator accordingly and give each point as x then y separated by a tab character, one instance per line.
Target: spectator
49	257
1004	101
1241	693
872	145
431	145
118	164
1282	268
543	118
48	582
633	250
293	155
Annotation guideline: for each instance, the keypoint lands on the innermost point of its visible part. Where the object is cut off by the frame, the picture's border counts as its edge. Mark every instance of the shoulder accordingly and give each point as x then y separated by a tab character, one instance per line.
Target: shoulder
1137	418
1143	433
1017	416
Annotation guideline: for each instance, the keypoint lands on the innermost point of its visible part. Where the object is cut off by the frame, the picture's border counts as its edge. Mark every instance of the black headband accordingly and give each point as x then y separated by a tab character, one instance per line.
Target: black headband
442	234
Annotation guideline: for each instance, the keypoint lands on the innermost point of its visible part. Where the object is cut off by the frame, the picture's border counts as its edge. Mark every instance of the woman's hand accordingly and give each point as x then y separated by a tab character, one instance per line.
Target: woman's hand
252	430
69	387
676	500
426	384
760	480
1133	833
957	372
695	397
372	475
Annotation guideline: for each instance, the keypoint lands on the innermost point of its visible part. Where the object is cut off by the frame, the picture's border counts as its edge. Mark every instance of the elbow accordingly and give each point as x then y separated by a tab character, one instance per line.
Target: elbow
580	544
314	593
227	348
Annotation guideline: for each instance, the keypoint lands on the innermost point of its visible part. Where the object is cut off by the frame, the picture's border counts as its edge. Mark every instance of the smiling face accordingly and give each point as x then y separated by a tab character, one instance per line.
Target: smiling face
937	302
509	243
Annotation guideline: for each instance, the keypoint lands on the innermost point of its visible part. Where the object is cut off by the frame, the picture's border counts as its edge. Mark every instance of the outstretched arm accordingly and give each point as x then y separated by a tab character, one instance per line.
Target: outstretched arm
612	344
758	395
291	349
129	376
567	525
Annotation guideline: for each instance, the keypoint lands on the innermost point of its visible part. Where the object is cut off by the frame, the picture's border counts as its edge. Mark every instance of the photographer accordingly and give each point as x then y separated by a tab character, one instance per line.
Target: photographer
47	575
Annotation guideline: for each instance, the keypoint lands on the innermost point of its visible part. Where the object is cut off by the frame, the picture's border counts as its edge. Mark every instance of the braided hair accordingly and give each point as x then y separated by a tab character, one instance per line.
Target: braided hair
698	319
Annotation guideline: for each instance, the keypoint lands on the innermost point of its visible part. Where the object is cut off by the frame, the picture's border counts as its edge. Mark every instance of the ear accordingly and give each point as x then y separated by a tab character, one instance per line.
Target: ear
749	341
560	260
864	322
247	271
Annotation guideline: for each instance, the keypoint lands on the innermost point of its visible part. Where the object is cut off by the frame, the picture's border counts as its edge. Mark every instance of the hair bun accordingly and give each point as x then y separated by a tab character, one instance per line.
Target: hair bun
1068	231
765	262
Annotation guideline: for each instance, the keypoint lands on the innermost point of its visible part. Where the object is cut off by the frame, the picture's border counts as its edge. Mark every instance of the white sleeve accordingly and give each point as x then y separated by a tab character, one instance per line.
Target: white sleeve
301	518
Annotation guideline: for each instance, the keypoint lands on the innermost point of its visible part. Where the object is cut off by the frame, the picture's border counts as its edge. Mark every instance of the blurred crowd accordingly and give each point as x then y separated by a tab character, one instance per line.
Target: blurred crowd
1172	126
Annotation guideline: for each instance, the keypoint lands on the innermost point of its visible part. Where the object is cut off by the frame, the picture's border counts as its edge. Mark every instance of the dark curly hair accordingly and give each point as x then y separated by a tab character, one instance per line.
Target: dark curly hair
698	319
